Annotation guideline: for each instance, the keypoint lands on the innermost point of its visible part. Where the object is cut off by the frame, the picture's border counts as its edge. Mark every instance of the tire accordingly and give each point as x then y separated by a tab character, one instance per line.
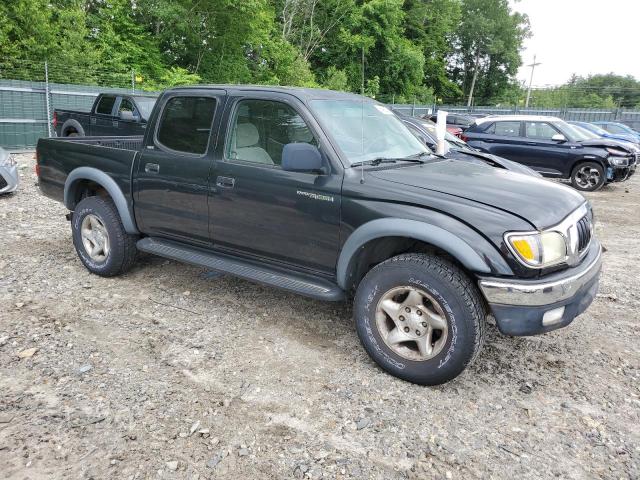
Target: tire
112	256
588	177
461	314
72	128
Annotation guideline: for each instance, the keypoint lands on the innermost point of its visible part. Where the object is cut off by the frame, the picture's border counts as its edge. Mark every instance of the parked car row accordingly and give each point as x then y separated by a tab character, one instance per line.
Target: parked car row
555	149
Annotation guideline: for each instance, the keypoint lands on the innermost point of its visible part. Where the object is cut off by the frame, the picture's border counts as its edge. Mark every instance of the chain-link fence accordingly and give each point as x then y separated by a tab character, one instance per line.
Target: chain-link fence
31	91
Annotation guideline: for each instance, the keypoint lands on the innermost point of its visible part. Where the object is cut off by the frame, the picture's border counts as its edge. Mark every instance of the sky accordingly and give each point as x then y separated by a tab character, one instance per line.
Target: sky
580	36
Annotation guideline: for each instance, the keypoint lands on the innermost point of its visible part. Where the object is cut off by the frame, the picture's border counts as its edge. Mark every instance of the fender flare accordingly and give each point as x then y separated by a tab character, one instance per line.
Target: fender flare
396	227
72	123
109	184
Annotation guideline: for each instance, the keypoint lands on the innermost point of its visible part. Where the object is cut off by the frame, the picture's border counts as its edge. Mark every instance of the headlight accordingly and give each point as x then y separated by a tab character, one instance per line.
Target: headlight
539	249
619	161
10	161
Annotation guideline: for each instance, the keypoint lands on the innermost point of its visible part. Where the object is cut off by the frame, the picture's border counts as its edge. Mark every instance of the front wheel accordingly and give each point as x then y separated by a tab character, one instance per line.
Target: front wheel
588	177
102	244
420	318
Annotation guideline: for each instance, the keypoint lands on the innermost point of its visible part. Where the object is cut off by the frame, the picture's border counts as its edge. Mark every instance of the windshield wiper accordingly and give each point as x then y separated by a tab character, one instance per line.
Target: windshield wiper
377	161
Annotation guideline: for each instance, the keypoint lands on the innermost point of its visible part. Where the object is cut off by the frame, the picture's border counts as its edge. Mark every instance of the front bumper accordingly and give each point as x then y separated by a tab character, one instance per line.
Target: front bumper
9	178
531	307
620	174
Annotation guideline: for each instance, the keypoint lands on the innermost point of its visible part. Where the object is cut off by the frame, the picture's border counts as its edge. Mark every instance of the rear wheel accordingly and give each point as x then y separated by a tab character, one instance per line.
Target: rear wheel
420	318
102	244
588	176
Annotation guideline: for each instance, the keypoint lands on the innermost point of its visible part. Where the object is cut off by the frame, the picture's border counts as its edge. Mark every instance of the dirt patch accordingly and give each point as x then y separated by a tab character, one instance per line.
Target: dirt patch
170	372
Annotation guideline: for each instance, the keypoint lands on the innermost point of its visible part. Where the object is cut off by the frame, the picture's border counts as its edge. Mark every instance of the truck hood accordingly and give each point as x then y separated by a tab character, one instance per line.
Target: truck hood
540	202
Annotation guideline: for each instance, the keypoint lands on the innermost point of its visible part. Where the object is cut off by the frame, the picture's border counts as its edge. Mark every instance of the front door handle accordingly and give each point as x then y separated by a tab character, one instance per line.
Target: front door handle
225	182
152	168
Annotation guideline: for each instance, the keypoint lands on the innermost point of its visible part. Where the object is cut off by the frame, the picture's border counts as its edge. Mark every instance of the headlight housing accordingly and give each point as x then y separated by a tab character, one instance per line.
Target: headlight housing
619	161
616	151
537	249
10	161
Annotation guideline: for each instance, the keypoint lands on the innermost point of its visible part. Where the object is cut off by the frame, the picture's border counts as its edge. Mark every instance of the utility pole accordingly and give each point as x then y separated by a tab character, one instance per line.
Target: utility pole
533	67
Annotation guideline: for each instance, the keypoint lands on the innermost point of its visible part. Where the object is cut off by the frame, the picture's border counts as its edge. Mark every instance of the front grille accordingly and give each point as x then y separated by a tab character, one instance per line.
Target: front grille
584	232
3	182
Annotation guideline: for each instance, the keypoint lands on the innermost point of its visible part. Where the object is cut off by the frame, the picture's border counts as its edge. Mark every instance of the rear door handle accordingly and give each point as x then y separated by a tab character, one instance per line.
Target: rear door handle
152	168
225	182
115	124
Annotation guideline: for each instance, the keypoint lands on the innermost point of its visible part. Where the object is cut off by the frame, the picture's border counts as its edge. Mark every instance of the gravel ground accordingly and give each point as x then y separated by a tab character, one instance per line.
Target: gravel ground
171	372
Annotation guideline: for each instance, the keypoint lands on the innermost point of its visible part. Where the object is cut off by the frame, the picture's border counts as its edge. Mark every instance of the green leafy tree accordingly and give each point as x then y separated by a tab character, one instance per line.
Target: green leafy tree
488	43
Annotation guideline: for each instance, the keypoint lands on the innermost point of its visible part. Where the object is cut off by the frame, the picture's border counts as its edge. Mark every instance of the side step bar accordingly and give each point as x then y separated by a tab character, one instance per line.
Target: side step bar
299	283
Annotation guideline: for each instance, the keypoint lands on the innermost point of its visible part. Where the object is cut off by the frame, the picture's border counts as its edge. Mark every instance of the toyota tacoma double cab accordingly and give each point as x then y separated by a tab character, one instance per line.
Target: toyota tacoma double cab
329	195
110	115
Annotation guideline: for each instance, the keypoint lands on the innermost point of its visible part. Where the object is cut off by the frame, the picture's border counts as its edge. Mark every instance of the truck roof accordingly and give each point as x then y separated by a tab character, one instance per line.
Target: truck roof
300	92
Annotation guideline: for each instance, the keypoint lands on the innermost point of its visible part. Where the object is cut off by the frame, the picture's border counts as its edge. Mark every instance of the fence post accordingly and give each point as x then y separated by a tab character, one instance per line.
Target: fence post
46	95
413	107
133	82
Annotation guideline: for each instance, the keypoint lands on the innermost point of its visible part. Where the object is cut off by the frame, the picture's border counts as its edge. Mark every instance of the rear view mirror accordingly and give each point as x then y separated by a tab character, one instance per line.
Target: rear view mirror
302	157
126	115
559	138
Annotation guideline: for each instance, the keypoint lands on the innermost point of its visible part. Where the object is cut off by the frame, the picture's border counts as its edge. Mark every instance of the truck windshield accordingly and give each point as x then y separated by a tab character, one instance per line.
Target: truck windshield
145	105
365	130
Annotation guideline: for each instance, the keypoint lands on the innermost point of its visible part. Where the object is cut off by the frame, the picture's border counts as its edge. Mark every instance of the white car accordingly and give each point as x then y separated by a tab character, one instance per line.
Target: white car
9	178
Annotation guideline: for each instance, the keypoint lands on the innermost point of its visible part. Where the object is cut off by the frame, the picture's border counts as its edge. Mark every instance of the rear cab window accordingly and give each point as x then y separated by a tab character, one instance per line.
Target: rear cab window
105	105
185	124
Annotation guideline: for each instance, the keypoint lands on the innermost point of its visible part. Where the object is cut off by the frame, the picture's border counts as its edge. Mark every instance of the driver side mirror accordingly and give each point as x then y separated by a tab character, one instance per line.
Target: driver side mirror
127	115
302	157
558	137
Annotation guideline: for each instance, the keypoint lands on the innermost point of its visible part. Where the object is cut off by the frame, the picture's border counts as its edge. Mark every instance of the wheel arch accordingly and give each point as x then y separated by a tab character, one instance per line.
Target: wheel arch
411	232
72	124
79	177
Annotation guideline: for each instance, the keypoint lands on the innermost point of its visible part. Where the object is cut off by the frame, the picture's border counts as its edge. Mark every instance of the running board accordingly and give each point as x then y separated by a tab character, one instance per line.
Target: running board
299	283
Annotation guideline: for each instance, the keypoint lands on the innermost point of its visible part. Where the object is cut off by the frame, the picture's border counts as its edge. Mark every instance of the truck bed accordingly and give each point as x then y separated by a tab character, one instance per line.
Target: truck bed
114	156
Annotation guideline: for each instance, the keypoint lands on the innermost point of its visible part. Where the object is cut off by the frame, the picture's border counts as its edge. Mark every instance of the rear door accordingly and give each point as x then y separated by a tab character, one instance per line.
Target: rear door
502	138
543	154
172	174
102	116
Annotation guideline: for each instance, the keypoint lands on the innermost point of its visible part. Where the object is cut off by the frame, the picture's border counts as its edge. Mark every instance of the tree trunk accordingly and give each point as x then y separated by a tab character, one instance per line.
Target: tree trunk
475	77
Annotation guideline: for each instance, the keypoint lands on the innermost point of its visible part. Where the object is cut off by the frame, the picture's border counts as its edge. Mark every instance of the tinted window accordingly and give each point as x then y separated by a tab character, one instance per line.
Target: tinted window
505	129
106	105
260	130
186	124
539	130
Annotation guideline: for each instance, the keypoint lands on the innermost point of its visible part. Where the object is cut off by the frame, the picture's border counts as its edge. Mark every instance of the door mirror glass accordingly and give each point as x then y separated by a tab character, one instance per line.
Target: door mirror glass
301	157
558	137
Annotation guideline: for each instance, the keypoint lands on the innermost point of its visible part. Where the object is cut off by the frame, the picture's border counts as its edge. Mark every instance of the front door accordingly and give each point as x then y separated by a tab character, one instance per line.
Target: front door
127	120
172	174
258	209
544	154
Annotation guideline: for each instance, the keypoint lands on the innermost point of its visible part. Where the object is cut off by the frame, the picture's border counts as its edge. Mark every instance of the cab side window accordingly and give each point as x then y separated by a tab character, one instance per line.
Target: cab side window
185	125
261	128
105	106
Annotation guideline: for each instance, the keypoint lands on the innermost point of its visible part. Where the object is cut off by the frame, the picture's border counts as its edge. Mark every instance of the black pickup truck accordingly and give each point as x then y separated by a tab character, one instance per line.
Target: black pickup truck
110	115
329	195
